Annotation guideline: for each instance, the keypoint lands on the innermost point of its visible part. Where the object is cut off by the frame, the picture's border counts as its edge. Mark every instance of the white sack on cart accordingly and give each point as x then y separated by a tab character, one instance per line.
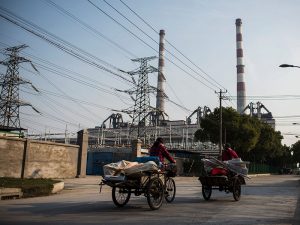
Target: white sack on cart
235	165
141	167
238	165
118	167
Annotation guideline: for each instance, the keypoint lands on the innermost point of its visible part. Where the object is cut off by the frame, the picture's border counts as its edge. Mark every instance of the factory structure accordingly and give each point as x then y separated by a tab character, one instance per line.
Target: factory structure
111	141
149	122
178	134
253	109
241	87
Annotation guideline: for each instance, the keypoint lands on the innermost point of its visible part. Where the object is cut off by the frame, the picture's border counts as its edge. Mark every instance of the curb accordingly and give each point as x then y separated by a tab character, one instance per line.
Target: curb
10	193
57	187
259	175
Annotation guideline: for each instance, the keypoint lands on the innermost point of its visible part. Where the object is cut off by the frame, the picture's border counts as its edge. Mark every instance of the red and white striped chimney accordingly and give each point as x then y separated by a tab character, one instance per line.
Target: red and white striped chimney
161	80
241	89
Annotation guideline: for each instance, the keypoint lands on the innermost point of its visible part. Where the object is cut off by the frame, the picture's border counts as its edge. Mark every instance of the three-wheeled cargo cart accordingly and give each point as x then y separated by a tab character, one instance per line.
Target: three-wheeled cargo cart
223	176
155	185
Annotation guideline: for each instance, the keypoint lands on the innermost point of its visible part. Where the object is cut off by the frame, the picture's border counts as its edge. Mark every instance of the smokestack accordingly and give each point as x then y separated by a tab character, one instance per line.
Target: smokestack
160	97
241	91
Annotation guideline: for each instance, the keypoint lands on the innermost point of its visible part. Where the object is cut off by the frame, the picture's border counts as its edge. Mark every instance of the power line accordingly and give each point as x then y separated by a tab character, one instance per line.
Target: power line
155	30
75	100
158	43
60	43
59	112
68	77
99	9
66	73
69	51
85	25
39	124
180	105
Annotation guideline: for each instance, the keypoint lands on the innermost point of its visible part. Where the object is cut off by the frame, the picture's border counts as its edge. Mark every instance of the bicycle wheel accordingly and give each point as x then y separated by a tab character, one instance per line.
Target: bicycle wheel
206	192
170	190
236	190
120	196
155	193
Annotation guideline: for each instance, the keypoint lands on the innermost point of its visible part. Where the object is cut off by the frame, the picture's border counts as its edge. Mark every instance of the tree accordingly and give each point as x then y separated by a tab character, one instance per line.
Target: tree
251	138
246	135
295	148
201	135
285	159
269	144
239	130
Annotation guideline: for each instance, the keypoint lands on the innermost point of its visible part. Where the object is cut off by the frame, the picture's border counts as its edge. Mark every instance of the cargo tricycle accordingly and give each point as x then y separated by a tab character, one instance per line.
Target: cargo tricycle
155	184
223	176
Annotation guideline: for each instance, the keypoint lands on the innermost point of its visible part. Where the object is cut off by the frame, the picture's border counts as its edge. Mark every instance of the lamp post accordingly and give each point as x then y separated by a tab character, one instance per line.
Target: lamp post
288	65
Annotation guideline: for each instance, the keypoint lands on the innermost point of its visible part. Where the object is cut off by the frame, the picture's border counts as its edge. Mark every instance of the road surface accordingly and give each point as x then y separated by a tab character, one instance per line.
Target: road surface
265	200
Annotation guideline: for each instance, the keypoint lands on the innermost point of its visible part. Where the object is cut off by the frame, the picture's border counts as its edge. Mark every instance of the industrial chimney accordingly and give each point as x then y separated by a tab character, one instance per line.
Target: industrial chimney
241	91
160	97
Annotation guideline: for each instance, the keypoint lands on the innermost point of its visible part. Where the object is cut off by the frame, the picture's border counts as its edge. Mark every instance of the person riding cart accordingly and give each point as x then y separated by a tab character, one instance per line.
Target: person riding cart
228	153
160	150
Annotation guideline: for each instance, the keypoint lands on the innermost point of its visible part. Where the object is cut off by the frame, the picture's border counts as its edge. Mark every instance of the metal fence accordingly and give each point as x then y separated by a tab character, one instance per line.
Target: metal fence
262	168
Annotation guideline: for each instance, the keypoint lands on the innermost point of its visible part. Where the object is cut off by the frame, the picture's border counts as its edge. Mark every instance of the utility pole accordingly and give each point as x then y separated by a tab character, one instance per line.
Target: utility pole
221	97
10	82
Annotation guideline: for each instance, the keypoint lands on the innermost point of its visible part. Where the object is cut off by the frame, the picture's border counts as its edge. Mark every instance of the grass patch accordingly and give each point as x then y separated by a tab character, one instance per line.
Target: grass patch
30	187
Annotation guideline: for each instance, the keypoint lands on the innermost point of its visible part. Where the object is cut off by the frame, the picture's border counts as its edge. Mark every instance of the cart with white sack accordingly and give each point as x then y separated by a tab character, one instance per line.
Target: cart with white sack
225	176
144	178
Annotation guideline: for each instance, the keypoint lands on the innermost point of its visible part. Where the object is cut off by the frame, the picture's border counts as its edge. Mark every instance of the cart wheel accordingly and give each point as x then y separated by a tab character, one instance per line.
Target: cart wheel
120	196
170	190
155	193
236	190
206	192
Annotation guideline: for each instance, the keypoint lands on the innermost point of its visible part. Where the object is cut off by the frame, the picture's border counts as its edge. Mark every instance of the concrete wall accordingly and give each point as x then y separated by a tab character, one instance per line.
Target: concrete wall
29	158
11	156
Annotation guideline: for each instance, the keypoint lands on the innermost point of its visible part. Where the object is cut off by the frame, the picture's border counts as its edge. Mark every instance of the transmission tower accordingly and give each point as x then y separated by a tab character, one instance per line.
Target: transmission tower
142	106
10	82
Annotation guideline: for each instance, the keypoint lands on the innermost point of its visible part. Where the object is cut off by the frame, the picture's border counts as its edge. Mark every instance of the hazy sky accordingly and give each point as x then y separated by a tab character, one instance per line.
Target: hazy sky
77	94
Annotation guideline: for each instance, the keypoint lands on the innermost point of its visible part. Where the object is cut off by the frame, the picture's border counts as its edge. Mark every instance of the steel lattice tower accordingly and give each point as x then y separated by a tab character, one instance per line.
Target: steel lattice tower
142	101
10	82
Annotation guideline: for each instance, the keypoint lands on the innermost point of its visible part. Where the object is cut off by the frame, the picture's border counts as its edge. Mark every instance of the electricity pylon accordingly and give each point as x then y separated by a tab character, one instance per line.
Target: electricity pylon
10	82
141	109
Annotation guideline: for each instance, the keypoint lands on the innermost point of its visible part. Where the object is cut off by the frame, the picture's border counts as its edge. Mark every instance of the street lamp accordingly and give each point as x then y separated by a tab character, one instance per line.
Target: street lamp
288	65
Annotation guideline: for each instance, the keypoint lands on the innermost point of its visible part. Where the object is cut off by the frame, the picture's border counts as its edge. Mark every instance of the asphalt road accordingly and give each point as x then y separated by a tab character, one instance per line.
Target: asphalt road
264	200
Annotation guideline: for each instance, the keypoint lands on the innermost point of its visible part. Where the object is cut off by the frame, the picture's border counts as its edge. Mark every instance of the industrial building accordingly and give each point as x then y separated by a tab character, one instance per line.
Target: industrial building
149	122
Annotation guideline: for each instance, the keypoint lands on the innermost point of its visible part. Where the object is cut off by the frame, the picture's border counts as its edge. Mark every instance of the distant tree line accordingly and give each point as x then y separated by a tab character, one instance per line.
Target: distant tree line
254	140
